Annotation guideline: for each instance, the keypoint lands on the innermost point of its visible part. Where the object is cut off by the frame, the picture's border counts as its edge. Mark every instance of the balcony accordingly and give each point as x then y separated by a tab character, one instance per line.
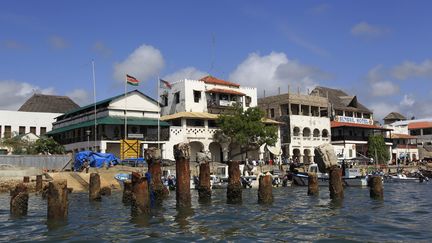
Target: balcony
356	138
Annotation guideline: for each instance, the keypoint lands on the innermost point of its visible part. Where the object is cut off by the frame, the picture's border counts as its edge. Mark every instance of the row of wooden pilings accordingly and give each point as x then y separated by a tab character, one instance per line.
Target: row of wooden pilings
144	191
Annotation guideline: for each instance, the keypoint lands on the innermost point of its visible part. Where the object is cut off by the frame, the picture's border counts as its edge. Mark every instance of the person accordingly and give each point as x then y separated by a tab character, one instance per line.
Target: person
86	165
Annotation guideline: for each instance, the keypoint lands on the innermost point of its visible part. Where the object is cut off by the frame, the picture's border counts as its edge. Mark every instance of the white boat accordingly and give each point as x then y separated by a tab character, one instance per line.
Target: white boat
122	177
401	178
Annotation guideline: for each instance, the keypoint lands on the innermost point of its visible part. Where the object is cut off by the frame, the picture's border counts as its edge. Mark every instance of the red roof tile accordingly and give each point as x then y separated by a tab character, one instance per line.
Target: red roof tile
403	136
213	80
419	125
224	91
335	124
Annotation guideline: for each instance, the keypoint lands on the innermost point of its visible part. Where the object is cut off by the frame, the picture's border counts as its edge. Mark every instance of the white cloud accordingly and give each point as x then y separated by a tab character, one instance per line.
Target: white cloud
408	100
276	70
12	44
101	48
13	93
80	96
384	88
410	69
188	72
381	109
58	42
319	9
367	30
143	63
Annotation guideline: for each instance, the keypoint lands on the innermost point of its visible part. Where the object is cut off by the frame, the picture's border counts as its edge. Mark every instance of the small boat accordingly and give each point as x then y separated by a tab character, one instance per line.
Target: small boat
122	177
401	178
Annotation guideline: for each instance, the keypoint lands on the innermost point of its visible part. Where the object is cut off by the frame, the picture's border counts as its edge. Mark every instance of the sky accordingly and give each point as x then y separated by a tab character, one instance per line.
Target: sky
379	51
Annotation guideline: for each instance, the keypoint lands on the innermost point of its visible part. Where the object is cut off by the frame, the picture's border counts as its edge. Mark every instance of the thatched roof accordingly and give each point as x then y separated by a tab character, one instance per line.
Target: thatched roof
395	116
48	103
340	100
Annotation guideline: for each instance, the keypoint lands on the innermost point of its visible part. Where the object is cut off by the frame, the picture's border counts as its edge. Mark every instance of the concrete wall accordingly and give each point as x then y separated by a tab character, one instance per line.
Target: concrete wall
56	162
15	119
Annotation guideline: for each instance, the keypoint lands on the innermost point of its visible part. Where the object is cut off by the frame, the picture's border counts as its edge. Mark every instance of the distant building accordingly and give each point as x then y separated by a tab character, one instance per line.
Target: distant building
192	107
48	104
76	129
393	117
306	124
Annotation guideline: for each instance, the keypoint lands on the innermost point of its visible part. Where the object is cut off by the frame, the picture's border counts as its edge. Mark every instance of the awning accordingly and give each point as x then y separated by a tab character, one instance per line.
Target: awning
274	150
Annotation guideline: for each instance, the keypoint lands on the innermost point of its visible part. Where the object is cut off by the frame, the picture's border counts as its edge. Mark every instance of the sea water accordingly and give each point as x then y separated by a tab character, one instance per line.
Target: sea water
403	215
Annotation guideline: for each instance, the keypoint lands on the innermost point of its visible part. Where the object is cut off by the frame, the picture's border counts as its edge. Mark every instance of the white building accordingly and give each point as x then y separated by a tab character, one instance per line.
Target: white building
192	107
306	123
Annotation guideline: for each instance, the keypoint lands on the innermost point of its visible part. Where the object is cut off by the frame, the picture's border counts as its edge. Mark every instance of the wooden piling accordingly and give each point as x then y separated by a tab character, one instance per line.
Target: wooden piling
204	188
313	187
265	189
57	200
153	157
335	183
19	200
26	179
140	197
39	183
105	191
127	192
182	156
94	187
376	187
234	190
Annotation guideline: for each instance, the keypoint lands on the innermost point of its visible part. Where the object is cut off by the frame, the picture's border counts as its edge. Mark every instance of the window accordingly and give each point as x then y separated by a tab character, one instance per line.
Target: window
164	100
224	97
349	113
21	130
176	122
339	112
197	96
195	122
415	132
272	113
248	101
212	123
177	97
427	131
350	153
295	109
33	130
8	132
366	115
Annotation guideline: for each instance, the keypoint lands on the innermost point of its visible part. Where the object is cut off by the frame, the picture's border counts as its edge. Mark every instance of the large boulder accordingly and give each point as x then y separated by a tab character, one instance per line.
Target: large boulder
325	157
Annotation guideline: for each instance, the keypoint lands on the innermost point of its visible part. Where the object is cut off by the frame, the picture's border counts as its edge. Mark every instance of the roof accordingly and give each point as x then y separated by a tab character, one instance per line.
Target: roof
394	116
335	124
400	135
213	80
111	120
341	100
48	103
419	125
224	91
101	103
205	115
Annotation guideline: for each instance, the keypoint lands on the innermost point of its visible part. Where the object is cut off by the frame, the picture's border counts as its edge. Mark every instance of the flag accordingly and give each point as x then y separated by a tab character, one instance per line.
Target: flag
164	84
131	80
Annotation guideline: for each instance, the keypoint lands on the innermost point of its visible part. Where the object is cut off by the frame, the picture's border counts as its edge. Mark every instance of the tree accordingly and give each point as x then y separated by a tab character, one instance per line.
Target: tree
47	145
18	145
246	129
377	149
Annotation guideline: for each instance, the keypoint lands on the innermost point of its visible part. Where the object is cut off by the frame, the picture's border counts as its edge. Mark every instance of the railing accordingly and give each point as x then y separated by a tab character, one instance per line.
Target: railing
356	138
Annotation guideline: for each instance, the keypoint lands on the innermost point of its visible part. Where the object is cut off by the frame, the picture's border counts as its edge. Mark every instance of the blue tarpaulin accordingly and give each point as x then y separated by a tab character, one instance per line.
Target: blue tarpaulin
95	159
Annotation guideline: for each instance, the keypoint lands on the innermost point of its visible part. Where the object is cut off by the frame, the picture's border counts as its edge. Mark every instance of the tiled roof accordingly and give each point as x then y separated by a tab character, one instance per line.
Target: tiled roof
224	91
335	124
419	125
399	135
48	103
213	80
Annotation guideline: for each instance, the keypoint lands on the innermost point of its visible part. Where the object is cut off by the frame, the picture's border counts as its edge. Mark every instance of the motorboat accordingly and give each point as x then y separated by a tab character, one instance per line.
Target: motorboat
403	178
122	177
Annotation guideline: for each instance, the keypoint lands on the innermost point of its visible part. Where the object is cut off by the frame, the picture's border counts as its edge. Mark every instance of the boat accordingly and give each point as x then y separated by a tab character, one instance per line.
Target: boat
122	177
402	178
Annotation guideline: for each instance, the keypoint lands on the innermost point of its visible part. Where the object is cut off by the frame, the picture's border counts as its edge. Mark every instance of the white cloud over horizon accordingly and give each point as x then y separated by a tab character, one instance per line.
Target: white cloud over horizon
143	63
365	29
80	96
14	93
58	42
409	69
185	73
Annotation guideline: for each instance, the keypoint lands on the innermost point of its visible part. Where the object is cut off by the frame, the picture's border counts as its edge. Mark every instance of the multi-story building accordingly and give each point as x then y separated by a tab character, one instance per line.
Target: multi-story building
76	129
306	124
192	107
351	124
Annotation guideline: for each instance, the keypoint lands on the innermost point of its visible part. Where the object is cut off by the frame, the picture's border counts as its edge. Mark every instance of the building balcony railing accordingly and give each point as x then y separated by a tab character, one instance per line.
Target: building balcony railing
405	146
356	138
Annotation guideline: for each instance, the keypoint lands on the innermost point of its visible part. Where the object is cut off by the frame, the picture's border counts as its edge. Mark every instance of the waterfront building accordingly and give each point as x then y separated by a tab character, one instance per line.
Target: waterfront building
78	129
192	108
35	116
351	124
393	117
306	123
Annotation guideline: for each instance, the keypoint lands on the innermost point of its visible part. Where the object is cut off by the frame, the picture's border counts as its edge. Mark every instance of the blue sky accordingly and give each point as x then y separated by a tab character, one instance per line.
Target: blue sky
377	50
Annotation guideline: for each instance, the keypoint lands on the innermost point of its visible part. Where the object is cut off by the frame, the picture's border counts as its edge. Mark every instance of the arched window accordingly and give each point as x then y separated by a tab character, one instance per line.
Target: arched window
306	132
296	131
324	133
316	133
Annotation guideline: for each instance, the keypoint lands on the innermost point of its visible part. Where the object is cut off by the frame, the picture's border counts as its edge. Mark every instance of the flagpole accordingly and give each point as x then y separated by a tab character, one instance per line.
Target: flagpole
94	99
125	116
158	122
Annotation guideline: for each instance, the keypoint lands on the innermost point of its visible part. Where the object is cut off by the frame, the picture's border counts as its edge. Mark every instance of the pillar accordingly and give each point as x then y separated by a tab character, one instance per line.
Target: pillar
140	197
182	157
313	187
19	200
335	183
57	200
234	190
265	189
153	157
204	187
39	183
376	187
94	187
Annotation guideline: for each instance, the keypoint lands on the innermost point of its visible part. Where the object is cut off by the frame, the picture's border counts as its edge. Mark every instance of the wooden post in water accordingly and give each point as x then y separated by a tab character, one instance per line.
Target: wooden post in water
204	187
94	187
140	197
105	191
26	179
182	156
39	183
234	190
313	187
19	200
127	192
335	183
153	157
265	189
57	200
376	187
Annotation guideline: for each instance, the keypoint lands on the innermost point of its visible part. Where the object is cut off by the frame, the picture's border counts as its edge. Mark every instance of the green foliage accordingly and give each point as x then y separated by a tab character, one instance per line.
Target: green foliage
47	145
246	129
377	149
18	145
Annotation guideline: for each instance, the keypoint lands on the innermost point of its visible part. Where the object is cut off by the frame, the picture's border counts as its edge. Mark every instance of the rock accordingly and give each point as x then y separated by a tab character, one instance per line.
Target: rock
326	157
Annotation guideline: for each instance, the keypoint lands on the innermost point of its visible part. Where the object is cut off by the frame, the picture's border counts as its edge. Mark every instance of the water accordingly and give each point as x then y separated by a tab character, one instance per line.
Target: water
402	216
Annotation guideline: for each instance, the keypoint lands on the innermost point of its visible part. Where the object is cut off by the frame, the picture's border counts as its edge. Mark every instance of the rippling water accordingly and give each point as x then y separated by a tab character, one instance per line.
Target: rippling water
403	215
